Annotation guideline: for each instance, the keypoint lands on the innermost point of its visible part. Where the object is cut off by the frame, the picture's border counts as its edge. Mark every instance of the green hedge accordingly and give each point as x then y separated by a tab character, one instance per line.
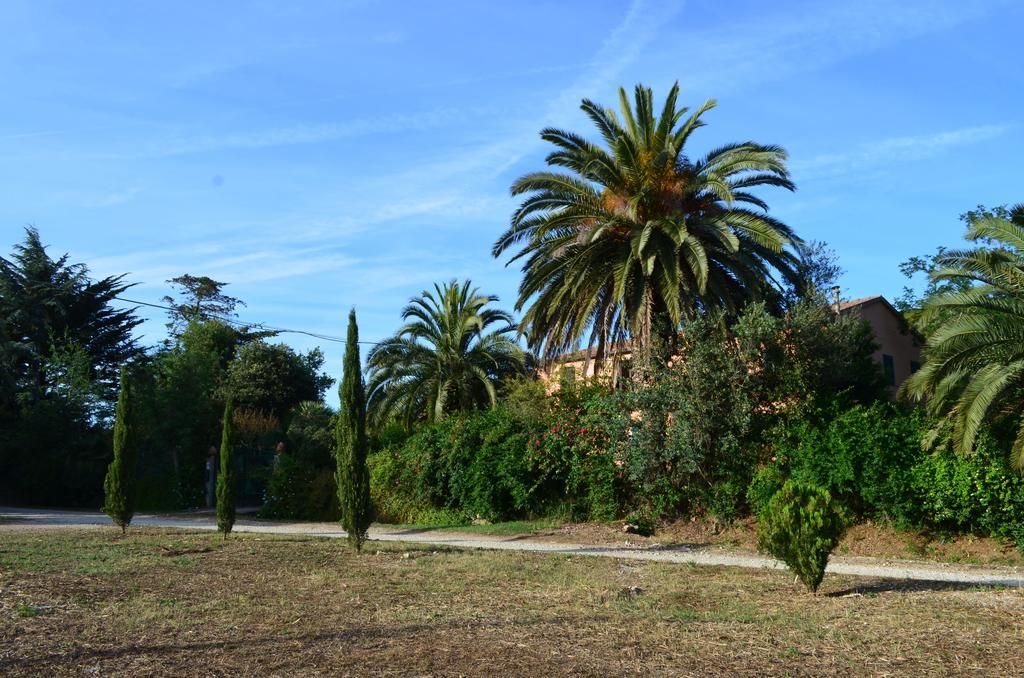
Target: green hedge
978	493
861	455
870	459
499	464
467	466
505	464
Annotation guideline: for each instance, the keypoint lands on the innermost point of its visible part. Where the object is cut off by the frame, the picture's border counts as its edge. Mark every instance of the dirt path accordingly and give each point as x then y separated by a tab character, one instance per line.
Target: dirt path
11	518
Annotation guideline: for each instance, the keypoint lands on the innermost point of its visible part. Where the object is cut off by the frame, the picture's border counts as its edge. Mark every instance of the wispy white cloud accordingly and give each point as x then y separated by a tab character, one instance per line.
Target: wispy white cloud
798	38
884	152
111	199
240	262
619	50
452	185
18	136
809	37
96	198
209	68
308	134
623	46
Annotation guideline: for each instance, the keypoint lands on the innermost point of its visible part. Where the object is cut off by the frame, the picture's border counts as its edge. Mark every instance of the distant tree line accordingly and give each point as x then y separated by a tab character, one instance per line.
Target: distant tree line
64	339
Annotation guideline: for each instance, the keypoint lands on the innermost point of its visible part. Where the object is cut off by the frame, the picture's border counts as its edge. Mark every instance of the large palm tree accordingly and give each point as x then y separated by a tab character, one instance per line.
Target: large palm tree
451	354
973	371
635	236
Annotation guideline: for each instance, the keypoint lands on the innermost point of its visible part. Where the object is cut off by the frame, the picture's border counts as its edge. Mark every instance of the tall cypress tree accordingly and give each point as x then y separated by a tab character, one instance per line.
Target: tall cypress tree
119	485
353	475
226	477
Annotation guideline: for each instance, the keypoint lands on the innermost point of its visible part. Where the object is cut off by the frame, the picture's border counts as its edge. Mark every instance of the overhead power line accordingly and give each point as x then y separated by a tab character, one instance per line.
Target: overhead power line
248	325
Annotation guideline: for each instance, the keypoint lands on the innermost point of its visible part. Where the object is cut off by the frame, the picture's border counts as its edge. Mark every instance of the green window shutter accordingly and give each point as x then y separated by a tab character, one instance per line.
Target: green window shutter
890	369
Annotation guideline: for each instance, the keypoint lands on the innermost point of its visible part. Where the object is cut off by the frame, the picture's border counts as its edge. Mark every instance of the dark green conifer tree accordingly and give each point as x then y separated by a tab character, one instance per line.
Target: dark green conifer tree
119	485
353	475
226	477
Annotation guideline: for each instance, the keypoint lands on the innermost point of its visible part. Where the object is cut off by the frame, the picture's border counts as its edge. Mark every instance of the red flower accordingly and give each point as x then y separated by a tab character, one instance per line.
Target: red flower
583	430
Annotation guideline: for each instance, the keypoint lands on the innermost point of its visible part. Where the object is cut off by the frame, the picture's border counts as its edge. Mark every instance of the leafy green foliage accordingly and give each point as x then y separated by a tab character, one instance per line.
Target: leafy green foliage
801	526
274	378
691	427
576	444
226	477
870	458
182	413
203	298
62	345
49	304
911	302
529	457
685	441
973	371
444	359
697	429
303	485
818	270
862	455
766	481
353	475
119	485
635	236
472	465
978	493
183	390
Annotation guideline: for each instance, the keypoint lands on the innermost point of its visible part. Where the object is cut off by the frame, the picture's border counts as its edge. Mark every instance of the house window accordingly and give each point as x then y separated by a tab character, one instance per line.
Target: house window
914	366
890	369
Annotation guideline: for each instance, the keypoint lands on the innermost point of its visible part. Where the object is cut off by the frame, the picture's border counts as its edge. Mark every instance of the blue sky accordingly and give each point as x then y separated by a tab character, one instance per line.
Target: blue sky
323	155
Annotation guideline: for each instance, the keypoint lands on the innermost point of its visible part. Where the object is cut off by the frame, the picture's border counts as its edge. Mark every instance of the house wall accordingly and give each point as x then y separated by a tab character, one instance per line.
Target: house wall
551	374
894	339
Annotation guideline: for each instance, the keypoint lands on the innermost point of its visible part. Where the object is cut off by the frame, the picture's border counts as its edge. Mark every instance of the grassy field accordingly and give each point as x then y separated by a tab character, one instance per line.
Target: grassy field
176	603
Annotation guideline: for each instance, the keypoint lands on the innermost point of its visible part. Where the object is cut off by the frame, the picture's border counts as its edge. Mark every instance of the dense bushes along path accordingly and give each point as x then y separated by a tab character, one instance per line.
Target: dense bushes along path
858	567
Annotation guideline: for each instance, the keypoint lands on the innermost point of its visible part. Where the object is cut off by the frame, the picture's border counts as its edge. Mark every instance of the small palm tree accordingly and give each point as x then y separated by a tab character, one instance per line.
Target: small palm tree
974	356
445	358
635	236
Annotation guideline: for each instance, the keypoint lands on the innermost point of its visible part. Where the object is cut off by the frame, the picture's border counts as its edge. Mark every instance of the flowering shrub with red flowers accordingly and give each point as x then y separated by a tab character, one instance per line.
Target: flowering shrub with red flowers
549	454
575	457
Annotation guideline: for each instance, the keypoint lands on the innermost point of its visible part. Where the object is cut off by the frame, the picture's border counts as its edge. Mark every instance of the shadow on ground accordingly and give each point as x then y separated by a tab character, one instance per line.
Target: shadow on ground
907	586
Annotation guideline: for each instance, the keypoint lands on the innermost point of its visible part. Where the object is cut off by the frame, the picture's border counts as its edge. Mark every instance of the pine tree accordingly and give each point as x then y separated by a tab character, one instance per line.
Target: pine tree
226	477
119	484
353	475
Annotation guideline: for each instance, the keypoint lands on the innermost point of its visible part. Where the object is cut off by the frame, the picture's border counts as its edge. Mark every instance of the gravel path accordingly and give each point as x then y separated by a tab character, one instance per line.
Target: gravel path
860	567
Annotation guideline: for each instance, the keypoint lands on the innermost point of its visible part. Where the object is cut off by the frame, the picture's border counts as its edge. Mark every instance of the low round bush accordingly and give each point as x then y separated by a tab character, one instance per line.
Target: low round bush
801	526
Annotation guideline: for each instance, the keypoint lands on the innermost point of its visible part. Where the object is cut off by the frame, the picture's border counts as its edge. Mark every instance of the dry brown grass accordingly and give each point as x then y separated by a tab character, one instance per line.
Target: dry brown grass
162	602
